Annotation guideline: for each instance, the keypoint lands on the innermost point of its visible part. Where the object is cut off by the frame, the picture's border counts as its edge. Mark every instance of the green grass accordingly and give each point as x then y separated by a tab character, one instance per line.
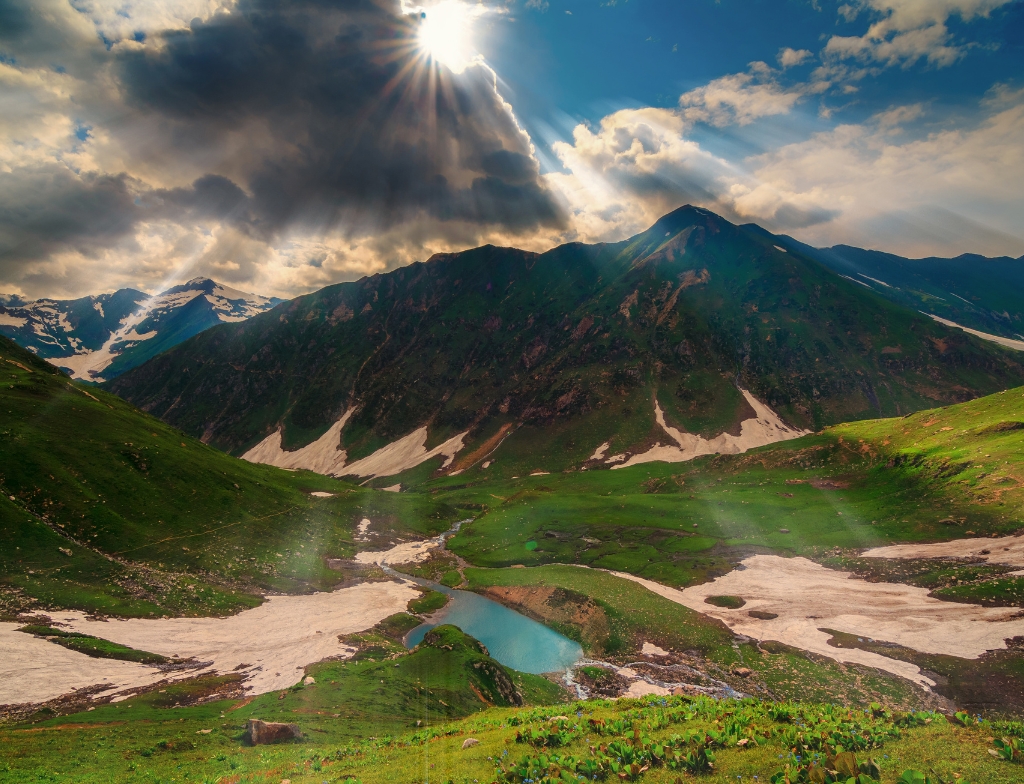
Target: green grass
931	476
143	741
730	602
430	602
96	647
106	509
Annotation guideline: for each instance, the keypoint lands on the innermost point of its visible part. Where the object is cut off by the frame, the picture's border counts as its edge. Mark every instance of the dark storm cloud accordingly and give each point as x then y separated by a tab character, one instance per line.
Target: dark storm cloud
307	116
44	209
356	136
48	209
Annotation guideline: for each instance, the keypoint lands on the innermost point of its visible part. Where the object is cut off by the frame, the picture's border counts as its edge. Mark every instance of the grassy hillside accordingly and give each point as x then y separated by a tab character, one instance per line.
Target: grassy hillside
930	476
107	509
668	739
568	345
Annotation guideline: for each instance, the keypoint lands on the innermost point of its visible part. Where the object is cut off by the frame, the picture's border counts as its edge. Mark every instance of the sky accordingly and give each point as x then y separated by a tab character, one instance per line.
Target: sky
283	145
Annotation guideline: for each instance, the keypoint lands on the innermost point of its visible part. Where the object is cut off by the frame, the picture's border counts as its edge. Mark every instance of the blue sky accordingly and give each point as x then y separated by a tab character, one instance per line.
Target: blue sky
648	52
281	145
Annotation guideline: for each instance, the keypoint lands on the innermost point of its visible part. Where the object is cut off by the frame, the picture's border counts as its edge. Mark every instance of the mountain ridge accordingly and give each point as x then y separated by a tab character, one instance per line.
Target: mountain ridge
97	337
583	337
980	292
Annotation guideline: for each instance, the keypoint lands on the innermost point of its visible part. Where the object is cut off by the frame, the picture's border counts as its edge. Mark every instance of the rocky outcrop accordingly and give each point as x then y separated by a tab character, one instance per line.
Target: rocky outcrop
260	733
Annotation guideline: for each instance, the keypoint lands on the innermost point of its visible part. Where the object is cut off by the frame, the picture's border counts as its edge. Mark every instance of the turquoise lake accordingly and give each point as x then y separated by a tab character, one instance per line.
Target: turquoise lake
513	639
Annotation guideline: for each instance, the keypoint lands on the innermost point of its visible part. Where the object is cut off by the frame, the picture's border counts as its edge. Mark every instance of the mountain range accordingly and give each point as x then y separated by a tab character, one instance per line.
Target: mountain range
99	337
973	291
690	333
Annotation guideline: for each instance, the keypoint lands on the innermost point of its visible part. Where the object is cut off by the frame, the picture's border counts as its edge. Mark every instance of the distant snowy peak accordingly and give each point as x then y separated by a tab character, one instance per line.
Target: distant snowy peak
99	337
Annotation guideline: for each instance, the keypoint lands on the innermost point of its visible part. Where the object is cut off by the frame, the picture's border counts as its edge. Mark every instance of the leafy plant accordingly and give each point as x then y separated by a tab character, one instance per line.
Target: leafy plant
1008	749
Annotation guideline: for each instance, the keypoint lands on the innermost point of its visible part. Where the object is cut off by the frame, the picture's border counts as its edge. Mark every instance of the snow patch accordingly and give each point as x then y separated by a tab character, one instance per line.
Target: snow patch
1005	550
7	320
323	456
865	285
277	639
406	552
1007	342
643	689
599	453
405	453
875	280
808	597
362	528
765	428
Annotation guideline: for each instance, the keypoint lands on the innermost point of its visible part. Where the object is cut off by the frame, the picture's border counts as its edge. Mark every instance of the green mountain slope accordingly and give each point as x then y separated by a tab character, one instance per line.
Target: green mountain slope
974	291
572	345
107	509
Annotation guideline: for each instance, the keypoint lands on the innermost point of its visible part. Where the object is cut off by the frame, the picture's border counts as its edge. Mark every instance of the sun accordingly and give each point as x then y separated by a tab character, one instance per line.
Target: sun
446	34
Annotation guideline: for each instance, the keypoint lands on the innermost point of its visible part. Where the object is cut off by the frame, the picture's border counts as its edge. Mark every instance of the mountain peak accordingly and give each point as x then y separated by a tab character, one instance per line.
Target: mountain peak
684	217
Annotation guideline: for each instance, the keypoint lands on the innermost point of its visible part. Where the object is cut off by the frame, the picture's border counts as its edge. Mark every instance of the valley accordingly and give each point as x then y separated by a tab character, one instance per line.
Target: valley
680	518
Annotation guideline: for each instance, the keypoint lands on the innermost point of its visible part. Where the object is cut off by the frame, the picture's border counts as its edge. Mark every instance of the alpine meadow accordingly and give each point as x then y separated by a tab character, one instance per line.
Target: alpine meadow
632	391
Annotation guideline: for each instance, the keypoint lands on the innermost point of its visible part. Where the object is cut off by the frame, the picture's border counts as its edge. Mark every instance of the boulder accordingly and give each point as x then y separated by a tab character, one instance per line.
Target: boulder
743	672
260	733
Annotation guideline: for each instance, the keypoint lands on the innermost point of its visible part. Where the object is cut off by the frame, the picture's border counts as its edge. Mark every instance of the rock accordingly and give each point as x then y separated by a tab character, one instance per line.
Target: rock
65	550
743	672
309	680
260	733
469	742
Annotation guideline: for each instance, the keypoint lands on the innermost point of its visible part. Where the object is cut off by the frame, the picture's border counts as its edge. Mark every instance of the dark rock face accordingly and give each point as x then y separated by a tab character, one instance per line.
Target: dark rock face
260	733
493	678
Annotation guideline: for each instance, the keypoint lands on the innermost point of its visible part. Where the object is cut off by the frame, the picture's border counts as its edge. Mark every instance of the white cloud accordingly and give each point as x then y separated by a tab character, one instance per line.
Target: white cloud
906	31
637	165
870	180
898	115
739	98
121	19
790	57
945	193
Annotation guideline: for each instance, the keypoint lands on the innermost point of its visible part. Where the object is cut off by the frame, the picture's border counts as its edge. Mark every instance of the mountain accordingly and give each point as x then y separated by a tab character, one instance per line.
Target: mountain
981	293
109	510
99	337
690	332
